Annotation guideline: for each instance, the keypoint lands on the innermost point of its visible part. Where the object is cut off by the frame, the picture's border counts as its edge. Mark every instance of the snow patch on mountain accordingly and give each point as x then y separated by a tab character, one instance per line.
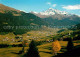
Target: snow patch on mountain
51	11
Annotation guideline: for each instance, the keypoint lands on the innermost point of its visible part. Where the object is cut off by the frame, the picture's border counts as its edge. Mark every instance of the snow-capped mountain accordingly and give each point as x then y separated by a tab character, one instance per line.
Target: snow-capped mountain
57	17
51	11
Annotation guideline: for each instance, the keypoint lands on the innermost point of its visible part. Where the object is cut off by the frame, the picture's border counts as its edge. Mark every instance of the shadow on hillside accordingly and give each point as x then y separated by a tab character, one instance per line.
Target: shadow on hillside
73	53
20	52
63	49
46	52
14	52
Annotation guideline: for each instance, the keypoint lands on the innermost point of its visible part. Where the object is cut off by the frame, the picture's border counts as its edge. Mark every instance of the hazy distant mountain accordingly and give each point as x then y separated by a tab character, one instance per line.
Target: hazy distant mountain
57	17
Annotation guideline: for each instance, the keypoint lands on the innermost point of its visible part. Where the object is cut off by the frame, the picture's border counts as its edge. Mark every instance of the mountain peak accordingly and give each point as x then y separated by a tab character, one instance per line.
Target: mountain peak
52	11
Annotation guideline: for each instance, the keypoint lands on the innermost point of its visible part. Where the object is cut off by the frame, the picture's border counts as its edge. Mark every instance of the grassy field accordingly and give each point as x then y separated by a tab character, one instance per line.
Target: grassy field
45	50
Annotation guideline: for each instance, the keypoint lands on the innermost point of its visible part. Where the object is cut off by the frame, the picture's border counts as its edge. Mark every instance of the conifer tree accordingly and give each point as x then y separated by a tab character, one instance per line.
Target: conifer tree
32	51
70	45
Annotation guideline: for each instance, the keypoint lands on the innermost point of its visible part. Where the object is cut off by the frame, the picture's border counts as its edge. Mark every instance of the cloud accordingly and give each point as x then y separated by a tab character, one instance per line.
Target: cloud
51	5
71	7
54	5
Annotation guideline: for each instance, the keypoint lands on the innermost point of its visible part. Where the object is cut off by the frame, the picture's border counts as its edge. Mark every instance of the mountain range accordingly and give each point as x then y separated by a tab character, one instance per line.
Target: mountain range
57	17
49	12
13	17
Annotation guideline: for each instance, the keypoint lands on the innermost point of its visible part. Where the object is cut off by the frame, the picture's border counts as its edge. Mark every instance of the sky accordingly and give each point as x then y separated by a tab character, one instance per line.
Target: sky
71	6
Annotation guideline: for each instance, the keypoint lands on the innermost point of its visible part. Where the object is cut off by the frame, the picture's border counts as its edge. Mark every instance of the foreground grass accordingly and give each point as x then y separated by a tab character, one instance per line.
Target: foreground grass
45	50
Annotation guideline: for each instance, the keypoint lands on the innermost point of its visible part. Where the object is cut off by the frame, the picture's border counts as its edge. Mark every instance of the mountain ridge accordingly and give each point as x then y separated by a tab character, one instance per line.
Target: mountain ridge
50	12
13	17
57	17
